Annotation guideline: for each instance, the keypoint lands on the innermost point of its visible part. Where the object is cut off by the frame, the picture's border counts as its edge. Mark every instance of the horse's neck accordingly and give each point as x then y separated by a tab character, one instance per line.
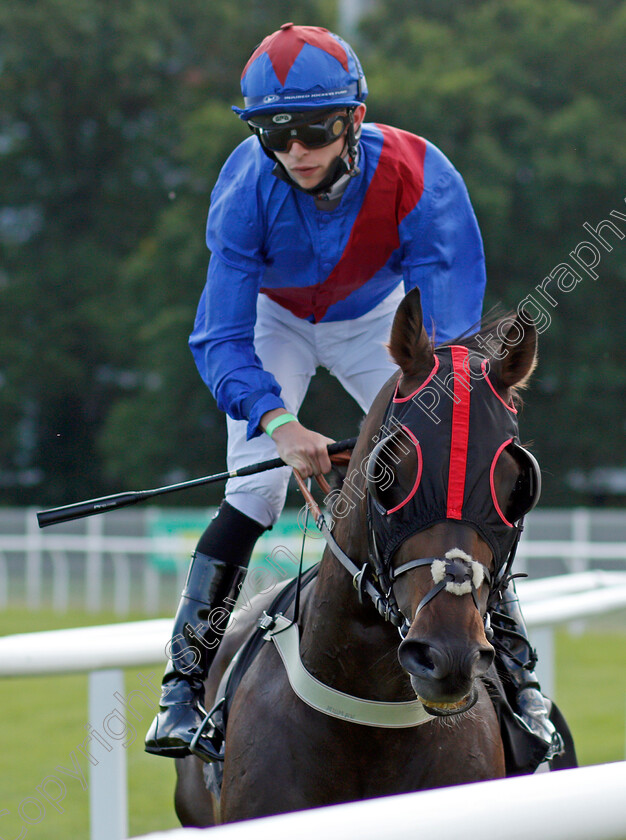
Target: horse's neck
347	645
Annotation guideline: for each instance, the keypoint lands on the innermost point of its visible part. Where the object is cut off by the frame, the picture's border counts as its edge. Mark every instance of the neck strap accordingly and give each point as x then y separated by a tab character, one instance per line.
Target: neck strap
395	715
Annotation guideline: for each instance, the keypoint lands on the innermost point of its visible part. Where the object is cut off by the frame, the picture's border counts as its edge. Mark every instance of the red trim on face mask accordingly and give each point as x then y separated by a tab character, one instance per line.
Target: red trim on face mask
508	405
460	432
492	485
418	477
398	399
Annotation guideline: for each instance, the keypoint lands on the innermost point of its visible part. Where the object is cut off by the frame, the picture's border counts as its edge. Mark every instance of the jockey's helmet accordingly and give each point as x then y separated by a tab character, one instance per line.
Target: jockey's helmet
301	68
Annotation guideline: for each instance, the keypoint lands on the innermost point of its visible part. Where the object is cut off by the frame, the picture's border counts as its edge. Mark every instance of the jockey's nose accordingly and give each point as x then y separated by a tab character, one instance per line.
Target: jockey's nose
297	148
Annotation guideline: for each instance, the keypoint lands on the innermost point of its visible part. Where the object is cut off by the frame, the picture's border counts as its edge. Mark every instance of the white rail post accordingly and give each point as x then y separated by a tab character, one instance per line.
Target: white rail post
34	559
60	581
151	588
121	583
581	531
93	572
108	798
4	582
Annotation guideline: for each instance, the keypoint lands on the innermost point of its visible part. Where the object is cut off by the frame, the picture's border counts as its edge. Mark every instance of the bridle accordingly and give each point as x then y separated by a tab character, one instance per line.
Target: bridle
455	571
375	581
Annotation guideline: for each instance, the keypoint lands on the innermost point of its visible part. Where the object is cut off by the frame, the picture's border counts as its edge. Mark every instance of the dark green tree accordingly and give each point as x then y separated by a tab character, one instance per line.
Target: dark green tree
95	96
115	121
526	99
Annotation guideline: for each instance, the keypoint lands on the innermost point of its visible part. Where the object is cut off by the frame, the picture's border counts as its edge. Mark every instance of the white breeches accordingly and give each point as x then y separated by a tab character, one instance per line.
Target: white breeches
291	349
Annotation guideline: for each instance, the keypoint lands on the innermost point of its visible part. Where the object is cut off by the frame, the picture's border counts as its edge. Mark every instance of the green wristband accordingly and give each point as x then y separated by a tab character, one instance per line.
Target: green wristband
279	421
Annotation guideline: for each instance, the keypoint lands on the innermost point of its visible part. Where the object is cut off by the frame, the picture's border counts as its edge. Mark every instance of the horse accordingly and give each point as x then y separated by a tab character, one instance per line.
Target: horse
427	516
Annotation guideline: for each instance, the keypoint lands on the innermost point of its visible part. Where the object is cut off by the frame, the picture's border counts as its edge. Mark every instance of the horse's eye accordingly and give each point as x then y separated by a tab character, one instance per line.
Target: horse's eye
522	496
527	488
394	469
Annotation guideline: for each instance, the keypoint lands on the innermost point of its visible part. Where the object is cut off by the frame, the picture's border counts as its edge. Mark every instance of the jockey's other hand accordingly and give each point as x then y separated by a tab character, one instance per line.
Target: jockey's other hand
302	448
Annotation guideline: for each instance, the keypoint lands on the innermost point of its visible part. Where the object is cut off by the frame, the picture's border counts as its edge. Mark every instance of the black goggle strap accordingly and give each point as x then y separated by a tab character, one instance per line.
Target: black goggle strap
503	576
387	606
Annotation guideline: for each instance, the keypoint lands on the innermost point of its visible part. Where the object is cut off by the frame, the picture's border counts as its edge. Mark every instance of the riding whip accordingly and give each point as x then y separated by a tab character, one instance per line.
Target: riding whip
78	510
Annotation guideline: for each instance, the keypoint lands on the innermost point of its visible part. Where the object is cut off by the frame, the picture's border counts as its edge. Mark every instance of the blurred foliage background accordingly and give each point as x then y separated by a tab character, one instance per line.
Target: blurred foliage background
114	122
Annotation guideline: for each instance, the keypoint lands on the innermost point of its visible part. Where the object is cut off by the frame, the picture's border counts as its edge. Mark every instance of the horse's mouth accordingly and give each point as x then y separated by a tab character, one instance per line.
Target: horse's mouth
447	709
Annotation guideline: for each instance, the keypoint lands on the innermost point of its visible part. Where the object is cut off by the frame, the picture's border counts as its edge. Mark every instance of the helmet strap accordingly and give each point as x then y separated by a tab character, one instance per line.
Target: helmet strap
353	146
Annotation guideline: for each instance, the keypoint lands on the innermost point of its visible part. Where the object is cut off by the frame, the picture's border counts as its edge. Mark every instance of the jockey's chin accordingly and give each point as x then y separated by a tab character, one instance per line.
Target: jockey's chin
309	167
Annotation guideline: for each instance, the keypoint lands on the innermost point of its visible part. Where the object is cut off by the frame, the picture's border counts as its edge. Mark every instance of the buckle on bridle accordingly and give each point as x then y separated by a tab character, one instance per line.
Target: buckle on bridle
488	627
359	581
266	622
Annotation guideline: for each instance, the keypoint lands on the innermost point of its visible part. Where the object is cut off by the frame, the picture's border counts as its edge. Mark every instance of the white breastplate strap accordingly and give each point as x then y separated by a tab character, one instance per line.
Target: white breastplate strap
327	700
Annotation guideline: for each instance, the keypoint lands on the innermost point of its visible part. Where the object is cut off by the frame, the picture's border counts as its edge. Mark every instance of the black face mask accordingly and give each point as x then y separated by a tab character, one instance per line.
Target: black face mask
449	435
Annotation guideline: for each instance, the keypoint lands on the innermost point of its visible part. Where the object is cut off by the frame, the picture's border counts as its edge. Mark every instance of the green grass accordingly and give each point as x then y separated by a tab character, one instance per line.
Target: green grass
42	722
591	692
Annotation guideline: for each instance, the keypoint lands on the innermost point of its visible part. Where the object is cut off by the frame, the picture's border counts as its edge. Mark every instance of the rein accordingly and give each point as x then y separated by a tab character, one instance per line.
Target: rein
385	606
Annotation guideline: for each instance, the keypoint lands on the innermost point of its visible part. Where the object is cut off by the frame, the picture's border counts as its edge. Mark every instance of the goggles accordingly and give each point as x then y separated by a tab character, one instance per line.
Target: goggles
277	131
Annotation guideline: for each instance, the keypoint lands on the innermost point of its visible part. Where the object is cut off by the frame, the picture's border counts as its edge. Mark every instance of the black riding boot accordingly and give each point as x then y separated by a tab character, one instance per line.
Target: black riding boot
207	601
529	703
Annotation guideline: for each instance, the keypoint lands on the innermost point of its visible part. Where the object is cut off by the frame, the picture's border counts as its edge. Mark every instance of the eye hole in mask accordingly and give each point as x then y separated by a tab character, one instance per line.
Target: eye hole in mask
394	470
526	490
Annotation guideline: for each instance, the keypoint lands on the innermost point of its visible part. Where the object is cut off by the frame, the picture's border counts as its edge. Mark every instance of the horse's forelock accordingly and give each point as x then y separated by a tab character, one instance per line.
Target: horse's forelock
488	332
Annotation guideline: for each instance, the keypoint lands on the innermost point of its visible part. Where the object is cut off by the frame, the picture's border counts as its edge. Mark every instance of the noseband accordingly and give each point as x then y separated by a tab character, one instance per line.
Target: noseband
456	573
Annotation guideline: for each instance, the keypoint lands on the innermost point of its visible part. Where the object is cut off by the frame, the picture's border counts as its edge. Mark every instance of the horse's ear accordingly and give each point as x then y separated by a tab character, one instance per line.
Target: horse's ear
409	344
516	358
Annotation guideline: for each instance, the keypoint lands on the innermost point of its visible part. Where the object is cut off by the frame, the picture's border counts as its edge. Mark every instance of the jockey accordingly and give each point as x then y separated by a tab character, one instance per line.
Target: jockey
316	222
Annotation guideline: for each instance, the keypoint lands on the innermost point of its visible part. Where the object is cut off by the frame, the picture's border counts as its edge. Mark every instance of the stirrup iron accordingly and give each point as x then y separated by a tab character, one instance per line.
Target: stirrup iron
208	742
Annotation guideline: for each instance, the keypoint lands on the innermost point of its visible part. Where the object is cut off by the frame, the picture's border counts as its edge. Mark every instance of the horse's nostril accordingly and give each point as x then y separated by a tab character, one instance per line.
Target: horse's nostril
484	660
420	658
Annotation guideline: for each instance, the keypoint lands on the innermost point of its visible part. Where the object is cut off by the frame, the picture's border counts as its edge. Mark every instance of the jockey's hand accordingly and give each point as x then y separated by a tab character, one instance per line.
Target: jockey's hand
300	447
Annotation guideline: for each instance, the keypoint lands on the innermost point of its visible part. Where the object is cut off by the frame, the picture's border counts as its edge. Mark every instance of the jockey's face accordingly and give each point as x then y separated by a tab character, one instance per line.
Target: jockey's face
308	167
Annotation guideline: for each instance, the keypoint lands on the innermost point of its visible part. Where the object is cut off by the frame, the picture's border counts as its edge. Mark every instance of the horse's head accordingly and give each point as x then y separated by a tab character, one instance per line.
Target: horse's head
448	485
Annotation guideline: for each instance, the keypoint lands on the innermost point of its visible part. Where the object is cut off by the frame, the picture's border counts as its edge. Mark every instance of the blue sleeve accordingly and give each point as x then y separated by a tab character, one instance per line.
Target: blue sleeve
222	341
443	252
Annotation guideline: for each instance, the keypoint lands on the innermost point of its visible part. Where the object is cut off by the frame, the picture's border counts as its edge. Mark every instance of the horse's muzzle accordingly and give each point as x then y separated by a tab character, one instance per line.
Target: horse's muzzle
443	678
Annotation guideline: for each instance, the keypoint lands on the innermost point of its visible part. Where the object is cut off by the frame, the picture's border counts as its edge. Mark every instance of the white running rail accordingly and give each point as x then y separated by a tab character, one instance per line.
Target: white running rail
579	804
104	651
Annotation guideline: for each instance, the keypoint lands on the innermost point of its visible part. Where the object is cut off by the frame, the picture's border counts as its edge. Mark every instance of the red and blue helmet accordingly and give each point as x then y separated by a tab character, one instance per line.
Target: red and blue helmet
301	68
